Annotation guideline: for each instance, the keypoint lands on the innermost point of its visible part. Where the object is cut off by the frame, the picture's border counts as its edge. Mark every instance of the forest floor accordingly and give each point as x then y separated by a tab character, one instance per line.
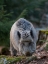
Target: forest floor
40	57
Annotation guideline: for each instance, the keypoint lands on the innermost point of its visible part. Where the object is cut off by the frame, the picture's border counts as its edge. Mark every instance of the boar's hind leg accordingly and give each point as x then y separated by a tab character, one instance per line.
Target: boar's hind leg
12	50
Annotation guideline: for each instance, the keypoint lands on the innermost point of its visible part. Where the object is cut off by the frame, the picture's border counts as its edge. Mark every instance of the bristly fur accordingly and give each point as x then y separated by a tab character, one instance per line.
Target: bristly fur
23	37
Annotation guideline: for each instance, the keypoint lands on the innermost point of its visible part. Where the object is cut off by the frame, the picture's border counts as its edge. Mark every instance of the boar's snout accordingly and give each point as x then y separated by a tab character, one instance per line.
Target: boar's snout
28	54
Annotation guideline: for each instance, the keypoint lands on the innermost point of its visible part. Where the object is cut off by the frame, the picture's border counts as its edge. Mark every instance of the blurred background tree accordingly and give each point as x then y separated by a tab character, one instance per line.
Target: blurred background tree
11	10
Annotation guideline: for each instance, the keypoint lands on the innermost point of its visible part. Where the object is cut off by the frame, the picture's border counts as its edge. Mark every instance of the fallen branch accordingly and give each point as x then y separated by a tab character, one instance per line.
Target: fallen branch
30	59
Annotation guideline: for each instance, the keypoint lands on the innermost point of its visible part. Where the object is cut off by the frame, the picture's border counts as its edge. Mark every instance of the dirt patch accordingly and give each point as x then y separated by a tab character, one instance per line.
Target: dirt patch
42	58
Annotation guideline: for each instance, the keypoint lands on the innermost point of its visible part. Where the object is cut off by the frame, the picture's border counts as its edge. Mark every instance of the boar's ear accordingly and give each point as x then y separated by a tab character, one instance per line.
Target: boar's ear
31	33
18	33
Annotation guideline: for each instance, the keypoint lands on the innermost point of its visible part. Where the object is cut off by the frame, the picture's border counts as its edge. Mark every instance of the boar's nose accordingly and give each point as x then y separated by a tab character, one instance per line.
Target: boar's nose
28	54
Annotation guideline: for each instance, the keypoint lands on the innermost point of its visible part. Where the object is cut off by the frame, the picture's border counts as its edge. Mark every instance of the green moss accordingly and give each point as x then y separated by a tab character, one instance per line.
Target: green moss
46	48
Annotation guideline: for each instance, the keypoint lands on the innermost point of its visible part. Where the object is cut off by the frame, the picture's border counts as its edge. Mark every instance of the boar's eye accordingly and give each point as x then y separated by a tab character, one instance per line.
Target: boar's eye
31	33
18	33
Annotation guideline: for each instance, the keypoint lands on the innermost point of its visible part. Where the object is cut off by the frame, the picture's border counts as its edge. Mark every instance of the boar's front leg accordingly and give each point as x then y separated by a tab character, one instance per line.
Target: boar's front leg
12	50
